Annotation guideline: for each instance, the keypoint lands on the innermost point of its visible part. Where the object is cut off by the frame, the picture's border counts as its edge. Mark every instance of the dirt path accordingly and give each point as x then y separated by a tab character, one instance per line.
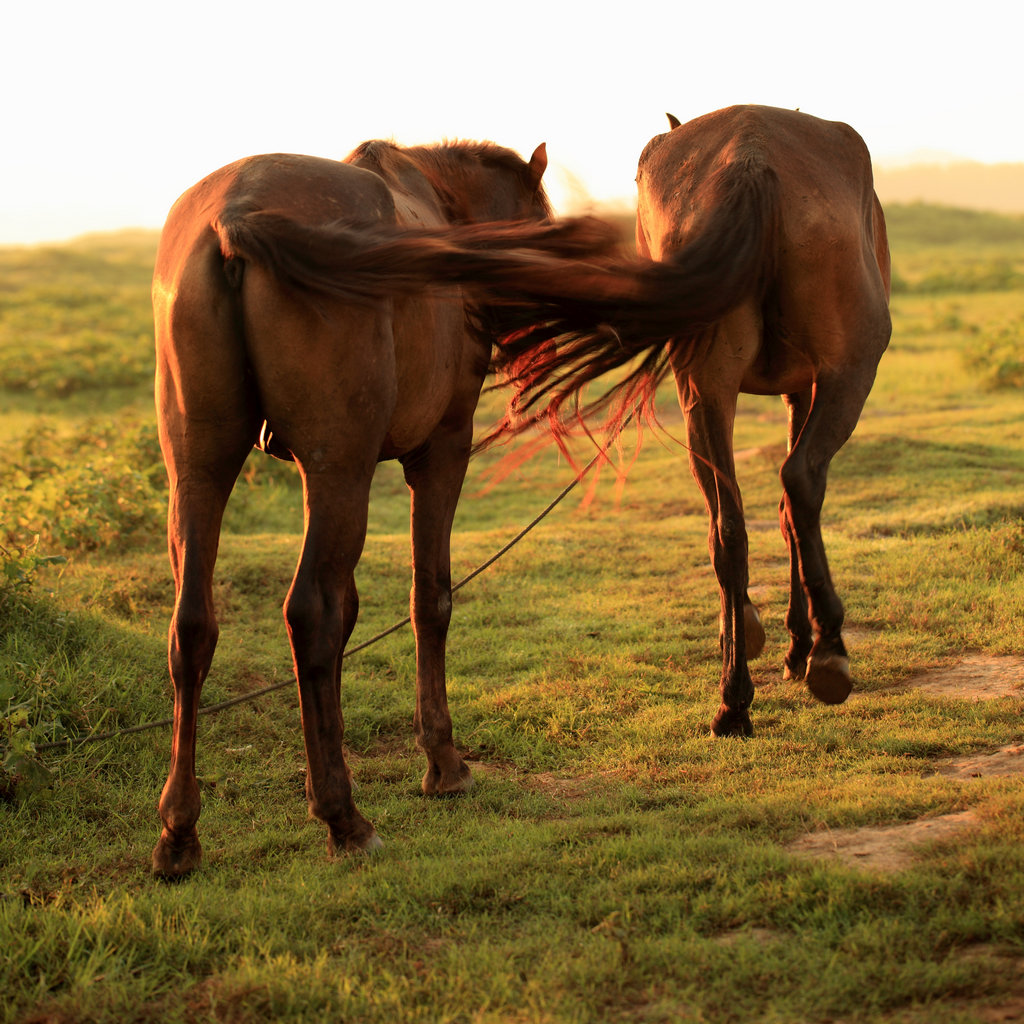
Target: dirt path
893	847
882	848
977	677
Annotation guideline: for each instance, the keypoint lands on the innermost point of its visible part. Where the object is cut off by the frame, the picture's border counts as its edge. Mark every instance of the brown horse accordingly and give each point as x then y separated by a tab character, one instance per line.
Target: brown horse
289	296
773	279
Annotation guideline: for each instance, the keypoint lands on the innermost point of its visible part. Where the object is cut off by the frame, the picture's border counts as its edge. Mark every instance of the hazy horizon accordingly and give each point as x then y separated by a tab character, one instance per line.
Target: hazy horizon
966	184
114	109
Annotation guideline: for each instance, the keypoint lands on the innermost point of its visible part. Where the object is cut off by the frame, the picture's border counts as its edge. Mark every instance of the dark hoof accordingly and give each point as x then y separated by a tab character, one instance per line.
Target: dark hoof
753	631
732	722
437	782
175	858
828	678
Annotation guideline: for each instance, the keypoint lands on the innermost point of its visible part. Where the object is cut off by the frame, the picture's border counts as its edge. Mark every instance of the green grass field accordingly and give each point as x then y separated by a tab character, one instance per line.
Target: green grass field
613	862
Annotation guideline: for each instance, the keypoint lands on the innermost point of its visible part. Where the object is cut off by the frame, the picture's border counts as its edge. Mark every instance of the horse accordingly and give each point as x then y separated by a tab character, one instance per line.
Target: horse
773	278
323	311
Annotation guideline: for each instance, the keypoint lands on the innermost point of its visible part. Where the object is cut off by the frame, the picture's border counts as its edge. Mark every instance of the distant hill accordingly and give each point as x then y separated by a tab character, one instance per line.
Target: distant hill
964	184
972	219
931	224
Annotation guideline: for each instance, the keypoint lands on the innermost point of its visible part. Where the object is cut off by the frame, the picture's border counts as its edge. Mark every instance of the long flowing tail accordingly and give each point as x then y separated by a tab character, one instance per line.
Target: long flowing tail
360	263
567	305
627	312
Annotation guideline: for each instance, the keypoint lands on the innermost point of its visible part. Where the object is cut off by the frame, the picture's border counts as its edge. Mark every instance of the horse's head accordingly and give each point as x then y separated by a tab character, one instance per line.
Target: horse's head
481	182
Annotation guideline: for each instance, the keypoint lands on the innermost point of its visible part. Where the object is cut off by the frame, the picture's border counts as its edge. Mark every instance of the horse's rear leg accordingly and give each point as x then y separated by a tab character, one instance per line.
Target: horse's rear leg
798	621
835	408
709	421
435	474
199	491
319	612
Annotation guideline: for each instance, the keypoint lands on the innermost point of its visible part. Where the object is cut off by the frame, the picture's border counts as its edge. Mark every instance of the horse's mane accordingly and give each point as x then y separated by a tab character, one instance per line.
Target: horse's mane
443	164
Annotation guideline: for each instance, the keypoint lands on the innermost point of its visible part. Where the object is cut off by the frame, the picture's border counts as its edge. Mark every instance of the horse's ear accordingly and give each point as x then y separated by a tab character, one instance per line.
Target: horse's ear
673	121
538	164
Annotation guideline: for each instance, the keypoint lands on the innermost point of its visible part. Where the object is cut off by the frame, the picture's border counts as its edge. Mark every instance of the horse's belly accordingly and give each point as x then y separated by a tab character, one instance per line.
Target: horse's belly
430	366
783	377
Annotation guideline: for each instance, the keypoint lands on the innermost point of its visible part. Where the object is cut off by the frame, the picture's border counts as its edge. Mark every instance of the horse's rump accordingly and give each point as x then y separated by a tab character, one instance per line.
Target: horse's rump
742	205
633	307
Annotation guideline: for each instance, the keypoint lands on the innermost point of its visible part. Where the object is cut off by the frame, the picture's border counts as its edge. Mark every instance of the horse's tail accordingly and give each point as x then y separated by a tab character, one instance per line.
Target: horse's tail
361	263
728	257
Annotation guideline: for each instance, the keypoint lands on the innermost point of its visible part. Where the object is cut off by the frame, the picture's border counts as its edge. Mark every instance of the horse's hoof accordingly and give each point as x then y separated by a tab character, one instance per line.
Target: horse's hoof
440	783
367	843
753	630
374	844
732	722
796	670
828	678
176	858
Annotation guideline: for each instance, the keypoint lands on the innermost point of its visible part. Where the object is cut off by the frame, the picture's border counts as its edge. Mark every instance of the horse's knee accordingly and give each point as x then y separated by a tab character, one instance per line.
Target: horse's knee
803	485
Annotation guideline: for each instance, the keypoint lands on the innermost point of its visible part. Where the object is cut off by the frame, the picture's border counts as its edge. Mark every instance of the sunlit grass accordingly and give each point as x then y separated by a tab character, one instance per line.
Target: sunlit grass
613	862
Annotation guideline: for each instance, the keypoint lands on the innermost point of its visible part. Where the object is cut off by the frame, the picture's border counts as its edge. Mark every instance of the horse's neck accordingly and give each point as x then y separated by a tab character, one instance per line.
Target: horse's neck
453	186
417	195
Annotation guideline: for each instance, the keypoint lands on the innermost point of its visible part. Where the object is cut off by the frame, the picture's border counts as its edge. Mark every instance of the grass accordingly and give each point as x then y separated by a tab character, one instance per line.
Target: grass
613	861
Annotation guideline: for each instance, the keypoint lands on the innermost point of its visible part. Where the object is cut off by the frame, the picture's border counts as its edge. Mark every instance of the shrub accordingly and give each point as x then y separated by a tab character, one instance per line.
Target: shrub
996	355
100	484
25	711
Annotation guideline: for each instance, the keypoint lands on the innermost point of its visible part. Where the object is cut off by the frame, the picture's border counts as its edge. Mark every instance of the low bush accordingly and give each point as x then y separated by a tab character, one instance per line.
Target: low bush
996	355
98	484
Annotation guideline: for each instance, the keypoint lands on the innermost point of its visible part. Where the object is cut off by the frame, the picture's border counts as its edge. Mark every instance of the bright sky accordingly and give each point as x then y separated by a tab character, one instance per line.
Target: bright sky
112	108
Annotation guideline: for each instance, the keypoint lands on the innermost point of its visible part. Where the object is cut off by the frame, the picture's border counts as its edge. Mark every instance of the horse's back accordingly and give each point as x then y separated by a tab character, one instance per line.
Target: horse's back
823	169
826	271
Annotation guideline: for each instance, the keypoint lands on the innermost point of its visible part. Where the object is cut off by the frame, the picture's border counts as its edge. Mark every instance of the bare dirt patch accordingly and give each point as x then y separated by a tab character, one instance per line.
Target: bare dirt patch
565	788
884	848
1000	763
977	677
894	847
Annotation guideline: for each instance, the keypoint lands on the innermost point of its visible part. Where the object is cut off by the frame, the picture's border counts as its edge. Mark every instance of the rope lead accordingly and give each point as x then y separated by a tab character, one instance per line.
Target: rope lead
210	709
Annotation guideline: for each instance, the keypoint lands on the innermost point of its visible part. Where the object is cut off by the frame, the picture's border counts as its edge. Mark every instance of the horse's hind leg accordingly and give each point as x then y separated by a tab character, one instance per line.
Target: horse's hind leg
435	474
709	437
319	613
798	621
835	408
205	439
